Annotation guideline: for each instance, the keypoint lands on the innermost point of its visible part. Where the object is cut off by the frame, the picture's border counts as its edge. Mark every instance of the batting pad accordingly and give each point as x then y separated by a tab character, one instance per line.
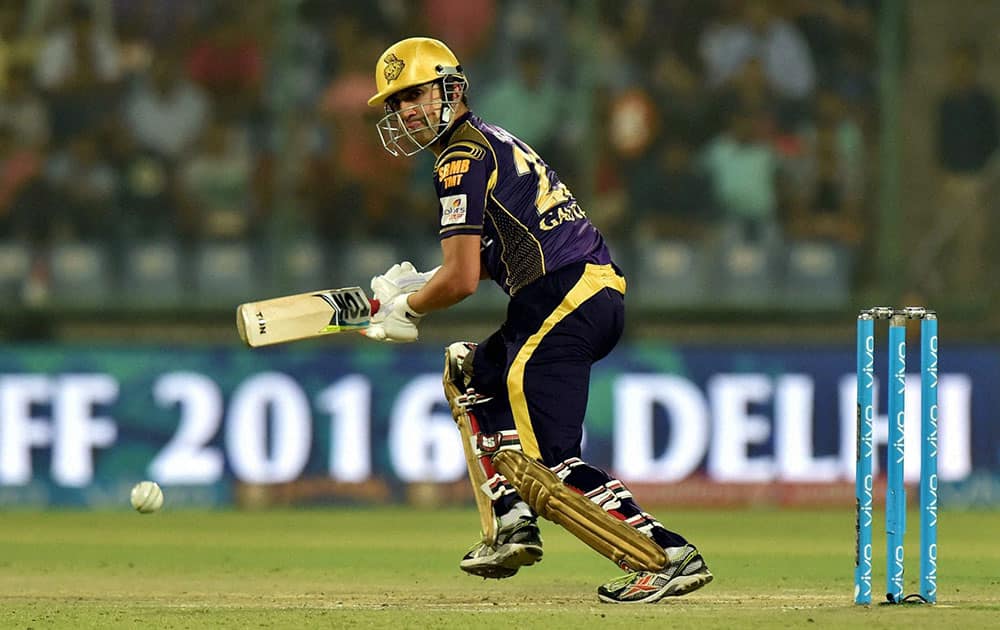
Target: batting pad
557	502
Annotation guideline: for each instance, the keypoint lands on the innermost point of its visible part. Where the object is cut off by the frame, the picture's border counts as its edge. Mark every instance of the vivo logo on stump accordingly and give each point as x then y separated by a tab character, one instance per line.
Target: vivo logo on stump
865	460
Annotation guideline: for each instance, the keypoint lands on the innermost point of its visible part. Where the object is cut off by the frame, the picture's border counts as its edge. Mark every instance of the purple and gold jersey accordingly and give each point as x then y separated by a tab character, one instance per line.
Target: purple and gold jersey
491	184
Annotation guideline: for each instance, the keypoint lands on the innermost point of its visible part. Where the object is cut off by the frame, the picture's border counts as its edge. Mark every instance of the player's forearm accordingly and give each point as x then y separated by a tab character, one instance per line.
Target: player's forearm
445	289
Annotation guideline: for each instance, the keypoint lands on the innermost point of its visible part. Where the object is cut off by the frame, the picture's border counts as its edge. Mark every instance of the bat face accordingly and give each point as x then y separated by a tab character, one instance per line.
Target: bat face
302	316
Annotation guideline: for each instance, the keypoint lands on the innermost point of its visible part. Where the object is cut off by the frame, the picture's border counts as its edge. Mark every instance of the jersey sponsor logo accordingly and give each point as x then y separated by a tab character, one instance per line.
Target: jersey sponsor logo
453	209
450	173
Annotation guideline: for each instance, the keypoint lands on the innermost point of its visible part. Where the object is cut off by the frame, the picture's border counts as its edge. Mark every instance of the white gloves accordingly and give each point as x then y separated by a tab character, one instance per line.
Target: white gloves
395	321
400	278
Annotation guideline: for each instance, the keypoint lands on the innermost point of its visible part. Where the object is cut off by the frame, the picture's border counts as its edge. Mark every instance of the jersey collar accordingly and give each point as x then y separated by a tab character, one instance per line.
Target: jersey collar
458	122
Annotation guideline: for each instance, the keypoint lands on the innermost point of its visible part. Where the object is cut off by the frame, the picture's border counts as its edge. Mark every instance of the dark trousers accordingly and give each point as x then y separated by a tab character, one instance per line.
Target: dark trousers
537	365
537	369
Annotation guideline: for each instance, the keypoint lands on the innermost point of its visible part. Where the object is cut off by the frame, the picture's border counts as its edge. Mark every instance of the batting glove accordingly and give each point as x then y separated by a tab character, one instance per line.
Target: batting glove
395	321
400	278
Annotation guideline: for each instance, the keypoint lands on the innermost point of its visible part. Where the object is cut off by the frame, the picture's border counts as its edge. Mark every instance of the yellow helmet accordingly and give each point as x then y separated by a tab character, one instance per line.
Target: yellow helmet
411	62
406	64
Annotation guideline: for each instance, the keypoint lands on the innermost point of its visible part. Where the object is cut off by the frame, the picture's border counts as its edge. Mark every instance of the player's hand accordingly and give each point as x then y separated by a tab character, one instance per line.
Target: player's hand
400	278
395	321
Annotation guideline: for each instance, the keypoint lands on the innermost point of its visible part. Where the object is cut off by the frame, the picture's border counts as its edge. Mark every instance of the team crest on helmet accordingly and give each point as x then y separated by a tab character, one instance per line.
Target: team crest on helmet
393	67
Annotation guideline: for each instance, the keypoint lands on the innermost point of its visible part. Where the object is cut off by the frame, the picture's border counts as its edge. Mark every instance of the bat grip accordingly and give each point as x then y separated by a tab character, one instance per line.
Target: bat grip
375	304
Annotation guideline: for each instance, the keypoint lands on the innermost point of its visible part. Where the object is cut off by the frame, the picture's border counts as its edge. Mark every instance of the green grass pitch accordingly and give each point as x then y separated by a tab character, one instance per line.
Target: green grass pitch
398	567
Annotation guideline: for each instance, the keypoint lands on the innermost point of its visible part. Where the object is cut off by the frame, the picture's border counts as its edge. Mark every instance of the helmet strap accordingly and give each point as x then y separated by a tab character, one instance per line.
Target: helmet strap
446	109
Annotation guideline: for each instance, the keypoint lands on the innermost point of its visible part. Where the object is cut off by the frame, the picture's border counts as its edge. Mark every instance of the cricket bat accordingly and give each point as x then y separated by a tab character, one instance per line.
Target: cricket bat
303	316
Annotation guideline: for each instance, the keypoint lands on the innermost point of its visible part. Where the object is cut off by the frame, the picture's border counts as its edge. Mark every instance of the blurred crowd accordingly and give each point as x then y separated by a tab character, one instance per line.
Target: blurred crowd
218	120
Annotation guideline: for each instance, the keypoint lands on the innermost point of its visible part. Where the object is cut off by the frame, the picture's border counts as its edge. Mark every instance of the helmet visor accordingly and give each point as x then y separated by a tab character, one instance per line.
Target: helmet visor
402	138
413	128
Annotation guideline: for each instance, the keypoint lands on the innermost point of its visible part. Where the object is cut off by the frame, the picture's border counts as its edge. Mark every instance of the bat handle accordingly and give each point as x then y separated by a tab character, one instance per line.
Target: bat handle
375	304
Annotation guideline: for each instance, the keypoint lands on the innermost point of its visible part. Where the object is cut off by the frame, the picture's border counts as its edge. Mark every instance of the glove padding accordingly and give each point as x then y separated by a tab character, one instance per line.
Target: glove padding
395	321
400	278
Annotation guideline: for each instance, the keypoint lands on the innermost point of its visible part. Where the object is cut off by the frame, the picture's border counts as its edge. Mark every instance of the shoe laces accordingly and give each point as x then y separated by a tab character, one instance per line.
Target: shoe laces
622	581
475	547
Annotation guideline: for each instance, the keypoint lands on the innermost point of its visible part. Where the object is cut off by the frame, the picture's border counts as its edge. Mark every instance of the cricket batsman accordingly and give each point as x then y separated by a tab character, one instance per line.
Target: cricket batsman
522	393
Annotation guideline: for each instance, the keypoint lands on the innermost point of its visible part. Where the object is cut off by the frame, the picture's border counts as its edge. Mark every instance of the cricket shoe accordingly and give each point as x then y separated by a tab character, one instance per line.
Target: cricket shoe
688	573
518	545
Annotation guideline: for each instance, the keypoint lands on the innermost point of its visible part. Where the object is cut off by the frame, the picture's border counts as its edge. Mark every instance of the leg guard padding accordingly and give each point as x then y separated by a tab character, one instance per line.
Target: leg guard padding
557	502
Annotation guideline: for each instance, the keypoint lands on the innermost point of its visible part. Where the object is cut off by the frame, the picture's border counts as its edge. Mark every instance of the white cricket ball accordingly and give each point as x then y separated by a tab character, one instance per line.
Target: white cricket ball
147	497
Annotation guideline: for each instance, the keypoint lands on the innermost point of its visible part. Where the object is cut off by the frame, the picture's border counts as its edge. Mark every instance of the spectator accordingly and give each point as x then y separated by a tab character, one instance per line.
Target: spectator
160	24
20	168
23	109
831	28
305	159
759	32
748	90
828	175
829	205
297	82
519	23
369	189
608	210
15	48
166	112
467	25
639	150
743	168
609	65
229	64
967	138
147	187
85	185
633	121
342	33
669	196
678	92
216	182
966	126
78	55
527	100
25	207
78	67
841	37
